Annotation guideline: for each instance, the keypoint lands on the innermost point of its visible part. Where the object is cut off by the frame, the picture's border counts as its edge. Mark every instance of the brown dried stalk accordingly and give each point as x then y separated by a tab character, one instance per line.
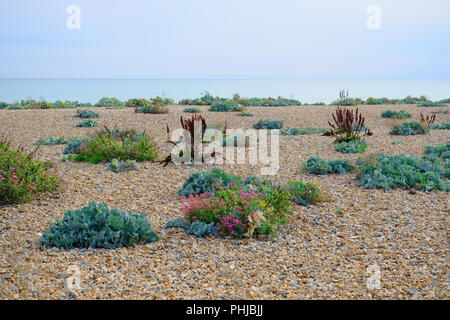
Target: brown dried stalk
427	121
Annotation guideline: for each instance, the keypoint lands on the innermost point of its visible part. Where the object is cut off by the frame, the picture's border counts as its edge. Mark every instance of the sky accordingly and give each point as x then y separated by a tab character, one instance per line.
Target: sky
256	39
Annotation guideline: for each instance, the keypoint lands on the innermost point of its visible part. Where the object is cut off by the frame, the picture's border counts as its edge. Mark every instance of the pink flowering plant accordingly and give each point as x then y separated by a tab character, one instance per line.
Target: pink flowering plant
22	178
239	211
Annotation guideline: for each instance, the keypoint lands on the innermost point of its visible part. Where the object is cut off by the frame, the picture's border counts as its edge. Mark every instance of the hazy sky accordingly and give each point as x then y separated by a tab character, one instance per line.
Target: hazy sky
317	39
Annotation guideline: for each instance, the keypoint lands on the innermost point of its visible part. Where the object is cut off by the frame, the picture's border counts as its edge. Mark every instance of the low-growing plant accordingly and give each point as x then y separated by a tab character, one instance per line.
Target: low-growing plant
51	141
317	165
192	110
351	147
431	104
87	124
137	103
245	114
409	172
208	181
109	102
119	166
442	126
226	106
408	128
268	124
22	177
97	226
73	146
109	144
441	111
153	109
396	114
304	193
301	131
87	114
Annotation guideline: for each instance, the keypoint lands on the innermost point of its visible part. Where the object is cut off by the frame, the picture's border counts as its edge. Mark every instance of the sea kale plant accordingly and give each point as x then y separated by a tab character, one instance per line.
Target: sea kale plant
351	147
21	177
268	124
317	165
87	114
395	114
429	172
208	181
87	124
301	131
413	127
226	106
51	141
97	226
119	166
192	110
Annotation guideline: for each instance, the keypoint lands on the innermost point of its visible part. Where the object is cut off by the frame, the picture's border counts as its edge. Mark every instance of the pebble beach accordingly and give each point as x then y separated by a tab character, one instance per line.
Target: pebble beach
323	253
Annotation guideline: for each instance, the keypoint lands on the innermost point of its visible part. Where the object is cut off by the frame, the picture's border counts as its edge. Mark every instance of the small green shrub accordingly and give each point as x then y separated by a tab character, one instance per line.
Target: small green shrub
268	124
442	126
51	141
119	166
245	114
304	193
351	147
208	181
301	131
87	114
22	178
317	165
409	128
431	104
192	110
153	109
97	226
109	102
401	171
396	114
112	144
73	147
137	103
225	106
441	111
87	124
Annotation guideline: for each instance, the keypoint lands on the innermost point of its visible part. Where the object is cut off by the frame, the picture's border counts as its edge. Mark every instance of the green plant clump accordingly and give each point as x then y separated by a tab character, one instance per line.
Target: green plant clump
73	147
109	102
22	178
226	106
245	114
110	144
51	141
317	165
431	104
301	131
119	166
410	172
268	124
97	226
208	181
87	114
442	126
409	128
396	114
304	193
357	146
192	110
87	124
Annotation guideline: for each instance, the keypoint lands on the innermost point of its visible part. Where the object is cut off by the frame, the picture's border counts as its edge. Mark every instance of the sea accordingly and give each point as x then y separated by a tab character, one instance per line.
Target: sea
307	91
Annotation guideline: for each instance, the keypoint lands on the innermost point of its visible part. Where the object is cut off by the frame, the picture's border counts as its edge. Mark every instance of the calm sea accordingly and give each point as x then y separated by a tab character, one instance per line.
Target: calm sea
306	91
